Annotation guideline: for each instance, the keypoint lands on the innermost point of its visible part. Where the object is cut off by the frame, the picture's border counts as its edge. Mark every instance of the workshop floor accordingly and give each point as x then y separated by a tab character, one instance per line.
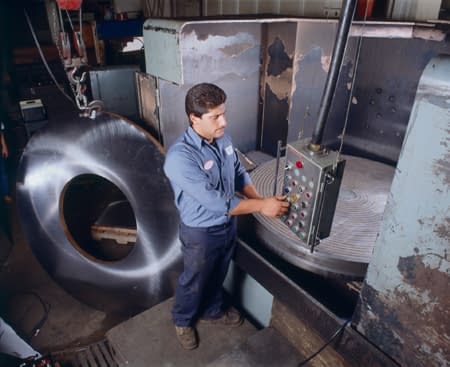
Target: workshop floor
30	299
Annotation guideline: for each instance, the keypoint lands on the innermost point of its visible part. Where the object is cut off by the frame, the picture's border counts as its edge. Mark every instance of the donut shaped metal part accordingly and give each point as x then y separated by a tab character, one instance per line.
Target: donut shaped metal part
122	153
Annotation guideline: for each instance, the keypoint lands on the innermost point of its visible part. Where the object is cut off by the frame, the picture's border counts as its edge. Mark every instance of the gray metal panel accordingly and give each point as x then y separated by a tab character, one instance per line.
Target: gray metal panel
314	45
148	102
416	9
115	86
224	53
405	304
387	75
385	87
162	51
276	83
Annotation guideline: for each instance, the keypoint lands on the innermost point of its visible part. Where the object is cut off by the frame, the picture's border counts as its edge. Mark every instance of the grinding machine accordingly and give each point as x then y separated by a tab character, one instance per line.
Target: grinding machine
336	170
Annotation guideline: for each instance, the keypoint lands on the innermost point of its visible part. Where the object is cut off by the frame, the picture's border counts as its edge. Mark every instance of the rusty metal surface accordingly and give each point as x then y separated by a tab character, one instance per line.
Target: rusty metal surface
114	151
224	54
404	307
276	83
146	86
358	215
274	72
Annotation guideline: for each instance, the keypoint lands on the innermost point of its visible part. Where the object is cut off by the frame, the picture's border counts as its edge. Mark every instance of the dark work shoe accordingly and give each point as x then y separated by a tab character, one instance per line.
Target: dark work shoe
187	337
229	318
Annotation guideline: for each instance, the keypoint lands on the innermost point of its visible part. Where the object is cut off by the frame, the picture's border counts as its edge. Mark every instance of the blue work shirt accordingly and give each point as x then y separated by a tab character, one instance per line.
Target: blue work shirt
204	178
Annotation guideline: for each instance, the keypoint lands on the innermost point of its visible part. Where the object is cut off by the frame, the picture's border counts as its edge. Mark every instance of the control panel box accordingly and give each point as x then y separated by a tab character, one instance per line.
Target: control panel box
311	185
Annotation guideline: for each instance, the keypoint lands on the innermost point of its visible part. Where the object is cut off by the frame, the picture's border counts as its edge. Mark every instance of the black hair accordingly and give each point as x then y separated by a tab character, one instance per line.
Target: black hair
203	97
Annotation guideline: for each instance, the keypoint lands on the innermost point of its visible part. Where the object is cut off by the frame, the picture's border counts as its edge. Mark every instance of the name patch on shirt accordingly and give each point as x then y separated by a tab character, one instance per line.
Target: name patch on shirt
229	149
208	165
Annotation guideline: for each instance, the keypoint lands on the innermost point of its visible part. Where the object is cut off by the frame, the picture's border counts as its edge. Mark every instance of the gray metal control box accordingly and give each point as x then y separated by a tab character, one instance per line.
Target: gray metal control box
311	185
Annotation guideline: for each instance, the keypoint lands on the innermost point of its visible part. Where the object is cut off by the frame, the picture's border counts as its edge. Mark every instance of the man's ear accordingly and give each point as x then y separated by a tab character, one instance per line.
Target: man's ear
194	119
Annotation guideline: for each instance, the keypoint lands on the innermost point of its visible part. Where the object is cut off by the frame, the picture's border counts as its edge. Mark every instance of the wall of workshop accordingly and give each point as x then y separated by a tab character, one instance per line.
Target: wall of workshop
391	9
285	7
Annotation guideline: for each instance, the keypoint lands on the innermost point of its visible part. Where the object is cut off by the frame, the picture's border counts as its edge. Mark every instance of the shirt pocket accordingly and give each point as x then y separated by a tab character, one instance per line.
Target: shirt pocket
213	176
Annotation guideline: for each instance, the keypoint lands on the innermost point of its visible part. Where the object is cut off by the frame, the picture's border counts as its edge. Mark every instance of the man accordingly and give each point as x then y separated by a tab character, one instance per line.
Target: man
12	344
4	187
205	174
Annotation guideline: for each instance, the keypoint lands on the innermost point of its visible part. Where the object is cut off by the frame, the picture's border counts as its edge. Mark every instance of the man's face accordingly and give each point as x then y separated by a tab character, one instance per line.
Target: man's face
211	125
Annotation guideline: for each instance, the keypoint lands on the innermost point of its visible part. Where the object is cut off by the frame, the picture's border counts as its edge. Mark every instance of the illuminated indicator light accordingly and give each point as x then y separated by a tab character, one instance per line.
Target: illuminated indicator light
296	172
299	164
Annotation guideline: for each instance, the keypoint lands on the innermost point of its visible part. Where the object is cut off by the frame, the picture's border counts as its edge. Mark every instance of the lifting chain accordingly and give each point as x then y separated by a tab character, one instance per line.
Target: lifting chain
74	65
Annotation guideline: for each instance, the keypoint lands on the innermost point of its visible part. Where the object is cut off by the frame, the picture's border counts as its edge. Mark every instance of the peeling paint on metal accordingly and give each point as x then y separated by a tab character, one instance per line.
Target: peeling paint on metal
325	61
237	48
281	84
442	230
405	308
279	59
441	167
389	318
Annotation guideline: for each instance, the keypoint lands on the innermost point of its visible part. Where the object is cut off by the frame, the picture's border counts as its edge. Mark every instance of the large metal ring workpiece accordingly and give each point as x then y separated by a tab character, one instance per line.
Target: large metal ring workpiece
116	151
348	250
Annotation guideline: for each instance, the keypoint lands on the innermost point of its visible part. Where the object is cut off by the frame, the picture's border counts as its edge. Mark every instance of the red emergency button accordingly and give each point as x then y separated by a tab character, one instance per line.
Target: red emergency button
299	164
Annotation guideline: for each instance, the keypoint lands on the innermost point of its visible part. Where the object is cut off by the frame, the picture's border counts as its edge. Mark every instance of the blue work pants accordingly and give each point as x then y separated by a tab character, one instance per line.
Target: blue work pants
207	253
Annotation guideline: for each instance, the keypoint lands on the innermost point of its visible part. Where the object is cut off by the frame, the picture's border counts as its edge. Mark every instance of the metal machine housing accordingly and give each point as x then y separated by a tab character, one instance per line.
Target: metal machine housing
311	184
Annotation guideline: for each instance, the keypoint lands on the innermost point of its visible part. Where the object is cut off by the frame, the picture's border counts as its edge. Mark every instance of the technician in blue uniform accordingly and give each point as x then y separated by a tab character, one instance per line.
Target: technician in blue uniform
205	173
4	186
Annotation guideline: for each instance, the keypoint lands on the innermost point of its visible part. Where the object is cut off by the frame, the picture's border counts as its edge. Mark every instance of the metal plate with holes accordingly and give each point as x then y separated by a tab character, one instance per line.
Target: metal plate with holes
348	250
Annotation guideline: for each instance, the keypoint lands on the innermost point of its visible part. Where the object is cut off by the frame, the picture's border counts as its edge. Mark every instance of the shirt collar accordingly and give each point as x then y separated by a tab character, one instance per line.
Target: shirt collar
198	141
194	137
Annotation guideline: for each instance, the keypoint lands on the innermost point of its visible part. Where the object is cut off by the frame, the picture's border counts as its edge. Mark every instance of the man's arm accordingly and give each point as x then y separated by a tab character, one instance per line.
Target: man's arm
5	151
250	192
274	206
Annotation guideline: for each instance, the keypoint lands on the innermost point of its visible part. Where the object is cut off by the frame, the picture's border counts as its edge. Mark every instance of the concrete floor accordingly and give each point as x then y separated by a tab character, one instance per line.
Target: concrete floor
29	297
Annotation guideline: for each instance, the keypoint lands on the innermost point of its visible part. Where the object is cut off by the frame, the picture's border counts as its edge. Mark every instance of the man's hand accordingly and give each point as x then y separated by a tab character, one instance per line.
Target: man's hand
274	206
5	152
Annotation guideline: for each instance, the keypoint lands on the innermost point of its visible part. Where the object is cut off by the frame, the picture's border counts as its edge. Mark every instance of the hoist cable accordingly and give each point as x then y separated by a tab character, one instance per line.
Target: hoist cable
45	61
